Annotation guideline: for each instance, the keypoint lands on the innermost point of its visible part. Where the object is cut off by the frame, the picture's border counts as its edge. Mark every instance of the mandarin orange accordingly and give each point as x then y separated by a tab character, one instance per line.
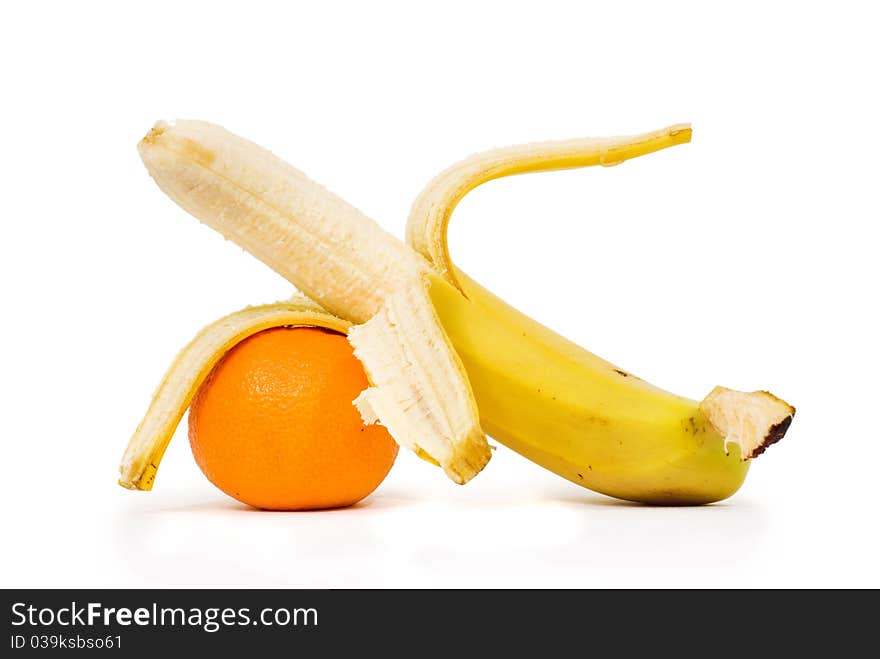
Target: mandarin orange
274	426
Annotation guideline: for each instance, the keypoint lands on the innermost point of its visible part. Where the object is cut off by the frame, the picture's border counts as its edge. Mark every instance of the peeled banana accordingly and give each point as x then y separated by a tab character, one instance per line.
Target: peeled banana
445	358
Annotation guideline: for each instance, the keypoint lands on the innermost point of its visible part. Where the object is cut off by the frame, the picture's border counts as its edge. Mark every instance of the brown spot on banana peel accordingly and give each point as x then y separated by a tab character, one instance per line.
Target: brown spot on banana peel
625	374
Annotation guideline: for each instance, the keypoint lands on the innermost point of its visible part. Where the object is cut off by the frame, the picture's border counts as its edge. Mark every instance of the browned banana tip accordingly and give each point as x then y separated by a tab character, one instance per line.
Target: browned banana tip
774	434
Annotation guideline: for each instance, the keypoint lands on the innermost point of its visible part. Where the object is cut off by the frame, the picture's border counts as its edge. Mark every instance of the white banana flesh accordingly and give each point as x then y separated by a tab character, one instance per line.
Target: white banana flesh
333	253
444	357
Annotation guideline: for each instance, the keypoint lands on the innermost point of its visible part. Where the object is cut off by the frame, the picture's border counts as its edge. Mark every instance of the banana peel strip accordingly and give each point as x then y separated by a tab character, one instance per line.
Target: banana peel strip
425	401
193	365
426	230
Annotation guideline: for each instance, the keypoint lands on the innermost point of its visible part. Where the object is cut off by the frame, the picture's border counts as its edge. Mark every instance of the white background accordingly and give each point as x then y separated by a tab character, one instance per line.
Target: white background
747	258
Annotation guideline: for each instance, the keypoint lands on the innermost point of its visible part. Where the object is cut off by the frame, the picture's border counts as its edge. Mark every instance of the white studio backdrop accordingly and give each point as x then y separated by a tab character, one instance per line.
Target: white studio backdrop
747	258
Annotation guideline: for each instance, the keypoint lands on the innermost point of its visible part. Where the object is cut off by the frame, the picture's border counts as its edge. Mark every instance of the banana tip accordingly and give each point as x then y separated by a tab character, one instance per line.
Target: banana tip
154	134
136	485
681	133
